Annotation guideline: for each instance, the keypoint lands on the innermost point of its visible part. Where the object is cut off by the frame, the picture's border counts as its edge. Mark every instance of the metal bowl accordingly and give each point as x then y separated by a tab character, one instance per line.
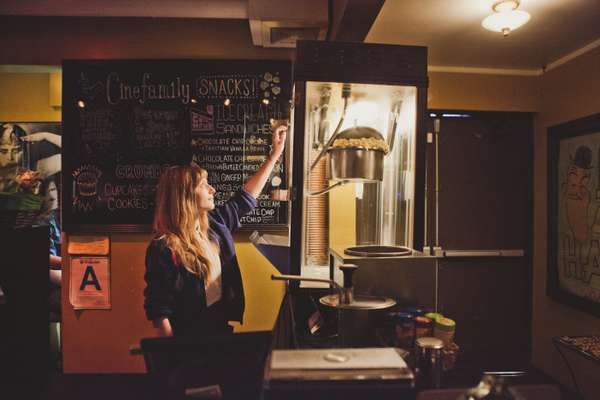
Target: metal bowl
358	321
359	302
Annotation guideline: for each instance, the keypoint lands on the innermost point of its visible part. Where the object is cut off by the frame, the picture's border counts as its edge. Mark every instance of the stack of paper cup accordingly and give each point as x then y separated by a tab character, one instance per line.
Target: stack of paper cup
444	329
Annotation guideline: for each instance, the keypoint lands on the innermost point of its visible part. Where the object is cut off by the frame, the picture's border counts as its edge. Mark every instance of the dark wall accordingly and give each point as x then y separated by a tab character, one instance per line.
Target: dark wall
24	337
49	40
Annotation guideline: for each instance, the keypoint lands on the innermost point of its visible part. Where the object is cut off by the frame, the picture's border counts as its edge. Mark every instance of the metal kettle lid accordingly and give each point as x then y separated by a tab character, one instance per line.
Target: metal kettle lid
359	132
359	302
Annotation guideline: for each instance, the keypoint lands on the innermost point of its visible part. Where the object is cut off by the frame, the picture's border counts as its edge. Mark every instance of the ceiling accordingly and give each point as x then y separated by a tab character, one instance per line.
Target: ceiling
128	8
451	29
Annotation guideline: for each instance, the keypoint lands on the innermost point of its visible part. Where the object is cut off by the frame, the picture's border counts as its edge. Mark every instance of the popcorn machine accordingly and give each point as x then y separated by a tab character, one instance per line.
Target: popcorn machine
358	173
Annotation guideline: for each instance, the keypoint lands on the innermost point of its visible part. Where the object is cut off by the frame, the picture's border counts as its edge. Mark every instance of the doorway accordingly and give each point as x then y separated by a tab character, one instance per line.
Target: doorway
484	231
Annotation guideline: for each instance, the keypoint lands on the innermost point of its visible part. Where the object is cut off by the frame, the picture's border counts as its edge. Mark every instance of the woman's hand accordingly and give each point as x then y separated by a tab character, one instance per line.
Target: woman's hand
163	327
279	129
257	182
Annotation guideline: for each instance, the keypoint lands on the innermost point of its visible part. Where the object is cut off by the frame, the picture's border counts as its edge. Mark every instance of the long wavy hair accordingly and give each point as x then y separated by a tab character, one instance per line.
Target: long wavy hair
179	220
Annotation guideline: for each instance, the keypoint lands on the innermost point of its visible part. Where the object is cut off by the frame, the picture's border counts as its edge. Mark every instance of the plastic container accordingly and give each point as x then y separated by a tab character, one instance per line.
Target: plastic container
444	330
423	326
433	316
405	329
416	311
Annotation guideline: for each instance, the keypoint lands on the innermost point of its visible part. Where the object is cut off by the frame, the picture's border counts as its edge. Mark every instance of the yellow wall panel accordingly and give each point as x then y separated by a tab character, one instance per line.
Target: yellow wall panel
342	215
263	296
25	97
55	89
461	91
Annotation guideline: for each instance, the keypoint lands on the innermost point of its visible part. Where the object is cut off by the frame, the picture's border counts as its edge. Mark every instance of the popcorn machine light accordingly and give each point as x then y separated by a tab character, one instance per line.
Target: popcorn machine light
359	147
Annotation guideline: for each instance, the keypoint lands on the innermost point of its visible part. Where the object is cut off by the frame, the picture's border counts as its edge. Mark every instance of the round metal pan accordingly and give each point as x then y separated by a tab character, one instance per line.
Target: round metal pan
378	251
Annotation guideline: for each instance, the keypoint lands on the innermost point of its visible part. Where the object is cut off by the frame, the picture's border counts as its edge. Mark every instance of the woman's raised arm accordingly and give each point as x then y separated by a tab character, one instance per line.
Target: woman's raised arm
255	184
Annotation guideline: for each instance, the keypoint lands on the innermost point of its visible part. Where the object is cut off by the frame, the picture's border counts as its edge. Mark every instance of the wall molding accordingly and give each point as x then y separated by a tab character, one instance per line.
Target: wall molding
30	69
566	58
37	69
485	71
518	72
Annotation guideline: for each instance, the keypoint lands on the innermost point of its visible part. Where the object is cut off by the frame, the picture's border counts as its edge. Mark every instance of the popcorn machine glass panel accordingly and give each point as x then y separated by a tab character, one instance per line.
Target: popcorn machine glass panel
359	165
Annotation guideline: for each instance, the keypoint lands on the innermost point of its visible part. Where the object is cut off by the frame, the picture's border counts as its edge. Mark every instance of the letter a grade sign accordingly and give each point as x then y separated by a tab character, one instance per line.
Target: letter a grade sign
90	283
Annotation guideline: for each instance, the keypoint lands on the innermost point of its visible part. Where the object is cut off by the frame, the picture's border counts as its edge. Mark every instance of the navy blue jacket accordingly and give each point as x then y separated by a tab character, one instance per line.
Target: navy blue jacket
174	292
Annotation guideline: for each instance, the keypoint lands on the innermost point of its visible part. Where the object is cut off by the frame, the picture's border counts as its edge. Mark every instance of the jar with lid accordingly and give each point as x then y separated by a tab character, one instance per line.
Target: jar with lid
429	362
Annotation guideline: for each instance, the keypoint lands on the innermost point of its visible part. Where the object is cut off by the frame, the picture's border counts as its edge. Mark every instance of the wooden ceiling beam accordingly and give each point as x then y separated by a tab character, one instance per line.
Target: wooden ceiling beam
351	20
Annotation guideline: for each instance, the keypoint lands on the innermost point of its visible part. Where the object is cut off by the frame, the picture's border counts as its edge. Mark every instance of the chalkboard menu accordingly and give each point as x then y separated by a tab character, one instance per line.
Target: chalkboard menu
126	121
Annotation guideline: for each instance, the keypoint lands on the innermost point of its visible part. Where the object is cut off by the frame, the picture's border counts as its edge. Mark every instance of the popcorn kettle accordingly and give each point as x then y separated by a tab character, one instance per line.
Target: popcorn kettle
355	154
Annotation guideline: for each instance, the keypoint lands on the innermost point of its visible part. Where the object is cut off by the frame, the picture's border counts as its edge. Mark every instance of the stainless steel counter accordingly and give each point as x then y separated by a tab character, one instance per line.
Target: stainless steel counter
411	280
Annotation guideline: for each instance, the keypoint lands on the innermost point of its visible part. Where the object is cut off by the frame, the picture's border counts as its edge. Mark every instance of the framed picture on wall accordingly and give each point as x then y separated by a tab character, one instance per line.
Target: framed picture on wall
30	165
574	213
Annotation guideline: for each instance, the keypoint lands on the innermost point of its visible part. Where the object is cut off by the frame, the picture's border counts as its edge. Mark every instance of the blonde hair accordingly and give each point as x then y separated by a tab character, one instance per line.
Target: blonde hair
179	220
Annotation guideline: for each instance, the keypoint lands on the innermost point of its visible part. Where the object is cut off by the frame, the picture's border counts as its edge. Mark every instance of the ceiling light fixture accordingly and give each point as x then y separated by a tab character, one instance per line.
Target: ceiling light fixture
506	17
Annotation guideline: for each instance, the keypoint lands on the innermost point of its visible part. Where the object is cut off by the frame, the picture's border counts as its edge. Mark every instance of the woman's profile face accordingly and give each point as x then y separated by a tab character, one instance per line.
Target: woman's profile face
205	195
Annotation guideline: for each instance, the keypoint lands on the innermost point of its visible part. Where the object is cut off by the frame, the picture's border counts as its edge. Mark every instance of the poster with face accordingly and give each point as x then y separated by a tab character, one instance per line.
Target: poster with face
578	233
29	173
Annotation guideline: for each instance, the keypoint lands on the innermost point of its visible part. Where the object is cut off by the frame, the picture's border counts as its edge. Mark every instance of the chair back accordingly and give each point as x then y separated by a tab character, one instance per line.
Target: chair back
229	366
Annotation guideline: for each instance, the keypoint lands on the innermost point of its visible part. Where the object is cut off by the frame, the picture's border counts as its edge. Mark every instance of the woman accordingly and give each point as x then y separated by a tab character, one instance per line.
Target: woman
194	285
49	217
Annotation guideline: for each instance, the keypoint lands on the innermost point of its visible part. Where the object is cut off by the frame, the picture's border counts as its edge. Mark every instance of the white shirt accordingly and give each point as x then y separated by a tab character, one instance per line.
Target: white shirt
213	284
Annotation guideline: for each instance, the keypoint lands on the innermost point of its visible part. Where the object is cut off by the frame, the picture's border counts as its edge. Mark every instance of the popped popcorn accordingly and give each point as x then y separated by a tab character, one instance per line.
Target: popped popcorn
365	143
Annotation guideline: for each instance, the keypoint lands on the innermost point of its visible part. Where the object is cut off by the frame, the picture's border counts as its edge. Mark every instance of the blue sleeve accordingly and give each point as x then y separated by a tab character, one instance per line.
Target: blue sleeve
159	295
230	213
54	232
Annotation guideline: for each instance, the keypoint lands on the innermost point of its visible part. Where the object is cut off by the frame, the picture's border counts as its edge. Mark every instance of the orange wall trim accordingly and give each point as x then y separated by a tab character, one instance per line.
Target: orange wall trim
99	341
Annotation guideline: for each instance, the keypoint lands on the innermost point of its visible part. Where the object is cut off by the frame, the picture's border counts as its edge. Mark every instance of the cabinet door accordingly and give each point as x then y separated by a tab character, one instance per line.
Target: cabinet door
490	301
